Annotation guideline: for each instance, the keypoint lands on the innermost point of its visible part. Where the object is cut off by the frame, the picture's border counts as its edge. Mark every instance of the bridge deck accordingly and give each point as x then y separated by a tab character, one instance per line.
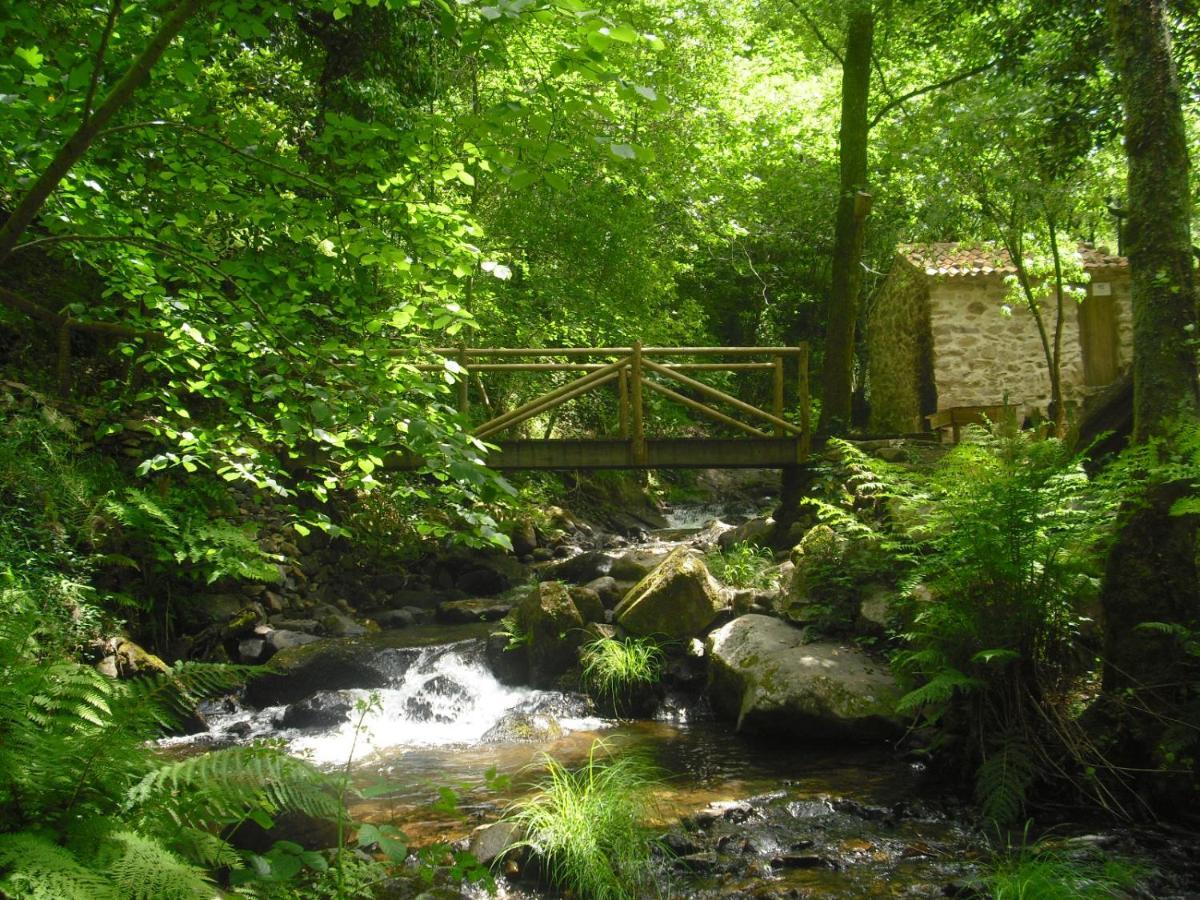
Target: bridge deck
661	453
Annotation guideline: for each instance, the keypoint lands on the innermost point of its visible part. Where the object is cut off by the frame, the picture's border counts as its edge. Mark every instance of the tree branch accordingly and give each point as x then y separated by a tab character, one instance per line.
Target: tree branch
98	65
23	304
200	132
816	30
77	144
930	88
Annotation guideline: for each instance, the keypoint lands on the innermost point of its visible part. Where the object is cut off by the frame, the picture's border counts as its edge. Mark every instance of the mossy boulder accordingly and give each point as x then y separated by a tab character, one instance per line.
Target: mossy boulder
764	677
300	671
812	592
678	600
553	630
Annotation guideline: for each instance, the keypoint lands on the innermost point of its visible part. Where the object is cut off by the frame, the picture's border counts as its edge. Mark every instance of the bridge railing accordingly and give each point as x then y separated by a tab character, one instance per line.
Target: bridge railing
636	370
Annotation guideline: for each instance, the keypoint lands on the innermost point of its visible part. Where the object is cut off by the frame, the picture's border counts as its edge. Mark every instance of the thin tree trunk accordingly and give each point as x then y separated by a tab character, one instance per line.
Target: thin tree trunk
77	144
1056	391
838	369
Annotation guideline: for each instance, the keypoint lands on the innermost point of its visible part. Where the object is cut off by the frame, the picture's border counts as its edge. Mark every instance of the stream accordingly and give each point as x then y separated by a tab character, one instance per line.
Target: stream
741	817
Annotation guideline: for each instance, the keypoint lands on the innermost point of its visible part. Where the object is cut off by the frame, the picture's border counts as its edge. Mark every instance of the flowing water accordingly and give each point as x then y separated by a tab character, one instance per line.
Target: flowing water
825	822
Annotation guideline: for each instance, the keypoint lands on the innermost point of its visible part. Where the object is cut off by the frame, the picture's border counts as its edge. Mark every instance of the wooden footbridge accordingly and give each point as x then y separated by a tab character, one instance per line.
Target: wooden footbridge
766	438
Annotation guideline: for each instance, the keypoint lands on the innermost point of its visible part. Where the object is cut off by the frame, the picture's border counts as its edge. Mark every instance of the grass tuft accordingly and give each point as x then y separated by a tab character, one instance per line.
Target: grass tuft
588	827
742	566
614	670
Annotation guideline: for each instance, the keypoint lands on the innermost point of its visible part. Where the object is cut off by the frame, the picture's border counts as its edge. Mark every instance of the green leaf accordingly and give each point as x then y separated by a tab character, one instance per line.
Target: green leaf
31	56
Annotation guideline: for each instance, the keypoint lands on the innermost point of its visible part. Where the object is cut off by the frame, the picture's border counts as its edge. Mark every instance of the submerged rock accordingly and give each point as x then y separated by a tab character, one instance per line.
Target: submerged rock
677	600
487	842
765	677
324	709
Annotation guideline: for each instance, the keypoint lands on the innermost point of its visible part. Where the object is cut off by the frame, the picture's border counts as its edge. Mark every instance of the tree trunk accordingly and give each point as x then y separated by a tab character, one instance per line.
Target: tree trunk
1158	235
838	369
1151	574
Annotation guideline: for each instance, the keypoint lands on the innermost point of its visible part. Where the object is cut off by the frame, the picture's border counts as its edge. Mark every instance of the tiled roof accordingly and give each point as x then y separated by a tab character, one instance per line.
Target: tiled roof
950	259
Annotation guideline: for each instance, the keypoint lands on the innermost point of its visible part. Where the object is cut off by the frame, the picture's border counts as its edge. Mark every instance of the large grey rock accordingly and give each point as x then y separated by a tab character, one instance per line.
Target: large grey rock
818	554
756	532
677	600
768	680
636	564
588	603
339	624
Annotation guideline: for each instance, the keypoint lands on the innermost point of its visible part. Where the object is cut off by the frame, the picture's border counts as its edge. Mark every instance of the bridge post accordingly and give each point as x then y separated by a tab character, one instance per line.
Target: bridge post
777	374
639	435
623	403
464	401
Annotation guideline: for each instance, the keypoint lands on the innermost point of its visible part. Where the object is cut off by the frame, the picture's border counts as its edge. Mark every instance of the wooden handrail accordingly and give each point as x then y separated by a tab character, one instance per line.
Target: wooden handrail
721	395
592	367
573	389
706	410
452	352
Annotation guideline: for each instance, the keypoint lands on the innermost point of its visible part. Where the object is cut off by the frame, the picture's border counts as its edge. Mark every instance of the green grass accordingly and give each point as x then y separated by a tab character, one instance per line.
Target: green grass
588	827
1043	872
742	566
614	669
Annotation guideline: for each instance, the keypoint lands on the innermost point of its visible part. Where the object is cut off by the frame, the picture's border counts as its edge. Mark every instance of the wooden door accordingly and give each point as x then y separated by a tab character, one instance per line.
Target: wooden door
1098	336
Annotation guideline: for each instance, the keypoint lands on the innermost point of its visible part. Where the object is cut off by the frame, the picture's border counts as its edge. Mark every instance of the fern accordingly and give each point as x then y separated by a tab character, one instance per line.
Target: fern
32	867
1003	780
143	869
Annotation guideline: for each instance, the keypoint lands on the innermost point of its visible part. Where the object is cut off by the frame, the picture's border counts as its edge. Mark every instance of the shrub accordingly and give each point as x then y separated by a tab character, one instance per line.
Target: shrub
742	566
1008	561
588	827
614	671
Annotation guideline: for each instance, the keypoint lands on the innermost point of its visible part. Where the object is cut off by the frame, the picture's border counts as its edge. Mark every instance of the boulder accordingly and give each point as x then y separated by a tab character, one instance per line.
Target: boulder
588	603
341	625
554	628
300	671
677	600
251	650
308	626
483	609
768	680
636	564
607	589
487	842
324	709
581	568
394	618
486	576
283	639
524	538
818	554
756	532
875	609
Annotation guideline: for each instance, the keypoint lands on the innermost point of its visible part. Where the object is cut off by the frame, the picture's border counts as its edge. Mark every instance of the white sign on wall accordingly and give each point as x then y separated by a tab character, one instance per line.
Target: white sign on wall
1101	289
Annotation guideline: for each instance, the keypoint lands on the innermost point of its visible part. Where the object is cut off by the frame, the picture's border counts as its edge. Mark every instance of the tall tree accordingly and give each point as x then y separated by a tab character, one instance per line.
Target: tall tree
848	224
1151	574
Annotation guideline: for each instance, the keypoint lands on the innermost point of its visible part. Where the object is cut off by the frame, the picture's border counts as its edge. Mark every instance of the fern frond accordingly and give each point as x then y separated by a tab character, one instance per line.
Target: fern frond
35	868
226	786
937	691
142	869
168	698
1003	781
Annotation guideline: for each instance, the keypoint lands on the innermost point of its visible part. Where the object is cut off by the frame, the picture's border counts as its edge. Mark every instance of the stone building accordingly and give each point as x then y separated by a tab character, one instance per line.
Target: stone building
943	337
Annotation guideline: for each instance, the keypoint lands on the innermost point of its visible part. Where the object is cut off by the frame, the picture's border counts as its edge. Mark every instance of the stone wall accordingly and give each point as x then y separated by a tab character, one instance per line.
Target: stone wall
981	354
899	352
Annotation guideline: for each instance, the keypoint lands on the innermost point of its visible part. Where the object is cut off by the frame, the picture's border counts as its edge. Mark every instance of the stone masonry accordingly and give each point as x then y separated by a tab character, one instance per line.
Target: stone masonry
944	331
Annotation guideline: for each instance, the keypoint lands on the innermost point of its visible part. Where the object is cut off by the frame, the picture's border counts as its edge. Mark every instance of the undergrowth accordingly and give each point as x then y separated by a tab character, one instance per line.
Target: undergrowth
742	566
1061	871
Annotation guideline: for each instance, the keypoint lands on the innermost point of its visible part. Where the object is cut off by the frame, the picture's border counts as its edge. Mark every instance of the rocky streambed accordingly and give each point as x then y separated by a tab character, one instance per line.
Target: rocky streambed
780	775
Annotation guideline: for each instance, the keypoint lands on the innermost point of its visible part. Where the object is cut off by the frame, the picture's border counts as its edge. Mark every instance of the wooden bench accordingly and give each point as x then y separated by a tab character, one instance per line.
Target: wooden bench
955	417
